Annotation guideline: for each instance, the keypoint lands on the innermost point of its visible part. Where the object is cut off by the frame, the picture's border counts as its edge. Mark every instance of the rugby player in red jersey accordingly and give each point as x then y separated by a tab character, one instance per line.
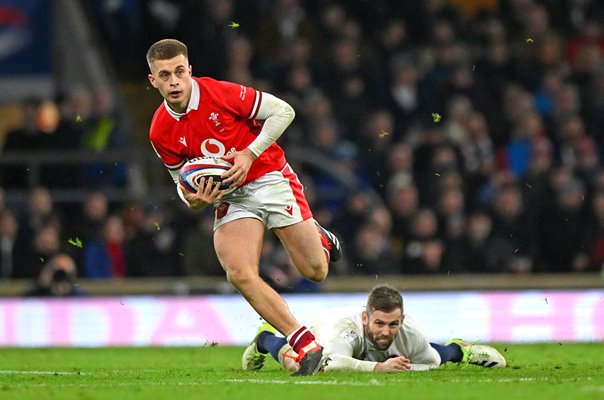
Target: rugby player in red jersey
205	117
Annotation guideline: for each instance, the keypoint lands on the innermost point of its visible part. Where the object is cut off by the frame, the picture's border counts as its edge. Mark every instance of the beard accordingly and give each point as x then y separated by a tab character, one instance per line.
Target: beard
379	342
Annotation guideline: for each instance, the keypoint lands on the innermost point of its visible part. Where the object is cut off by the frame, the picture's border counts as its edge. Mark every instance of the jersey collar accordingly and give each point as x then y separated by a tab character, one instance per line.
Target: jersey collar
193	102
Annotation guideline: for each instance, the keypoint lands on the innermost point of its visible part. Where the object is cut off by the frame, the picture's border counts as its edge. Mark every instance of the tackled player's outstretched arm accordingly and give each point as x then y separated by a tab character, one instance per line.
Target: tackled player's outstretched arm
338	362
339	357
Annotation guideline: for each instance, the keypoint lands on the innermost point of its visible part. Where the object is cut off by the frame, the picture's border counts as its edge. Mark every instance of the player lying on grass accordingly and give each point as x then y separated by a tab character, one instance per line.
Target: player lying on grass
379	338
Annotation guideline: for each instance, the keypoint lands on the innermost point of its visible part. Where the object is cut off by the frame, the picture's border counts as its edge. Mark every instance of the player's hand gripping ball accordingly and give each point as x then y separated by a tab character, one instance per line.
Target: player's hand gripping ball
204	167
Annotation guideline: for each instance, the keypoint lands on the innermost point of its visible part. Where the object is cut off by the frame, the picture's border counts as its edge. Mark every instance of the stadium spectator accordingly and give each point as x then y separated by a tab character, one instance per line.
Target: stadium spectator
486	73
374	143
373	251
513	230
9	257
58	278
40	211
86	224
542	162
563	230
527	131
151	245
594	105
107	257
398	165
595	248
353	214
205	26
240	53
476	251
226	114
101	132
45	243
424	247
451	214
381	337
403	202
28	135
345	163
478	153
62	123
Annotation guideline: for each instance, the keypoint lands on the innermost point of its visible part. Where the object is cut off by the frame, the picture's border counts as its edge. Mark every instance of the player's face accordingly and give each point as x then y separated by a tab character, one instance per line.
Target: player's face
382	327
172	78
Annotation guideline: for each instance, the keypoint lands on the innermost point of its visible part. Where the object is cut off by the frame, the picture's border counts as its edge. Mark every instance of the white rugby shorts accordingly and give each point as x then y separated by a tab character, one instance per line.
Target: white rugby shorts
276	199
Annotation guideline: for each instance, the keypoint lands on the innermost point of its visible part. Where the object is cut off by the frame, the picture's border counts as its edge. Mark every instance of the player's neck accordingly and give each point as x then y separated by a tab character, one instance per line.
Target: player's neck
178	108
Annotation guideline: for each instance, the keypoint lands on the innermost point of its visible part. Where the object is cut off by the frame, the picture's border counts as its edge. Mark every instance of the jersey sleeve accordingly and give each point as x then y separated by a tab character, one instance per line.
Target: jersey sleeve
172	162
339	351
338	362
422	355
344	346
427	359
159	125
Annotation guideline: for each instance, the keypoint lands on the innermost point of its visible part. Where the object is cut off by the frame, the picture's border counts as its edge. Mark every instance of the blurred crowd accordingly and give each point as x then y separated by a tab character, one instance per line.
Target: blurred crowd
478	124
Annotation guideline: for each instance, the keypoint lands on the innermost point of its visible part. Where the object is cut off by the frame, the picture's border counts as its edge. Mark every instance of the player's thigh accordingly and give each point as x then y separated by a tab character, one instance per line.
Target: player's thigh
303	244
238	244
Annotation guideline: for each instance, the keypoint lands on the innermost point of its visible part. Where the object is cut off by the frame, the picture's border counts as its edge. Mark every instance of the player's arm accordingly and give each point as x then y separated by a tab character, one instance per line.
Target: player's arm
423	355
340	353
277	116
427	359
339	362
423	367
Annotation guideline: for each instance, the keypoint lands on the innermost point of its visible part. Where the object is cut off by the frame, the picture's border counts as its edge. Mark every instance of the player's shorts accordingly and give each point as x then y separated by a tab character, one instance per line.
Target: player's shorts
276	199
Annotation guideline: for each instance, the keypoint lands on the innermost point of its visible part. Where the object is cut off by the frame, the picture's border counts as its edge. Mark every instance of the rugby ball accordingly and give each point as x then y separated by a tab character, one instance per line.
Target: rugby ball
203	167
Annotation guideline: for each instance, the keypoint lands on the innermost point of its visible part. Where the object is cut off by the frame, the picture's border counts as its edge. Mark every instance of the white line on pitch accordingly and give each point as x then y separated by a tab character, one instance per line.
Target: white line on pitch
372	382
16	371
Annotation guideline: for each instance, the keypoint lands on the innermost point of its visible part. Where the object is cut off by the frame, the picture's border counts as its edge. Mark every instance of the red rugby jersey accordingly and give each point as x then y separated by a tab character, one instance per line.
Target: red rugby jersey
219	120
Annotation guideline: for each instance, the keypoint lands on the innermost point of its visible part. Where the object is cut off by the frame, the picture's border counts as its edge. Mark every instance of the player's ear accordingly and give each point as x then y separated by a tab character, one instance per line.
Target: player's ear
364	318
152	80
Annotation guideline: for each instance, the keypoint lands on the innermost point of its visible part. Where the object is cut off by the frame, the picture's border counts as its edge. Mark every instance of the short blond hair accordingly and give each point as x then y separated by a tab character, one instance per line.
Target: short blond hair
166	49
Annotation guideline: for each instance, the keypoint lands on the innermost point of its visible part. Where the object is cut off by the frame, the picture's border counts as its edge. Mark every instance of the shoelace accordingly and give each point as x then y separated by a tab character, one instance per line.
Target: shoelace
300	355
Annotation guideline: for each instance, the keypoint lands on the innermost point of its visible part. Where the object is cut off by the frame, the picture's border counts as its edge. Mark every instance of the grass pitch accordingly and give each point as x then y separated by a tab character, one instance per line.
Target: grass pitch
535	371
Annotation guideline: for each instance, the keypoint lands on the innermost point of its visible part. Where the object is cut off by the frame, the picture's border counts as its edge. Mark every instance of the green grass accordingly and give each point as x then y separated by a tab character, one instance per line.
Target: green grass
537	371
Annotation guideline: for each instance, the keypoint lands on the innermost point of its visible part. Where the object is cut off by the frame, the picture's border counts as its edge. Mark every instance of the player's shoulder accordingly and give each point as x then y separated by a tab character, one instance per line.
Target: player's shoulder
206	81
208	85
211	86
160	118
411	327
410	321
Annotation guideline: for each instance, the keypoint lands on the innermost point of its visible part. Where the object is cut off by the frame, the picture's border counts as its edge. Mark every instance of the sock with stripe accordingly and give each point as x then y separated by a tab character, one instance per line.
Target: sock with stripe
300	338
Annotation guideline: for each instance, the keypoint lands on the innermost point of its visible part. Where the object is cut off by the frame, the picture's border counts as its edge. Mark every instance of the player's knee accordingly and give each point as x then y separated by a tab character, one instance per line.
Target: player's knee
317	273
239	277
